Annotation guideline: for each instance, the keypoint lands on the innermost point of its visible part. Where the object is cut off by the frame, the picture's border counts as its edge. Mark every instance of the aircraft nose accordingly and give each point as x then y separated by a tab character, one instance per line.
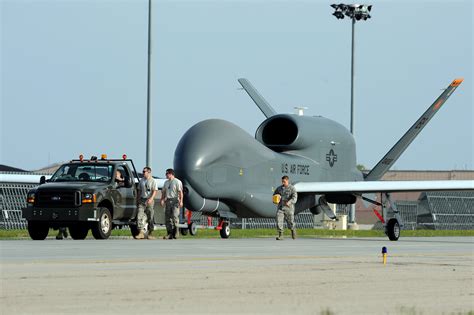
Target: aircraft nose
196	148
203	144
212	152
216	141
199	147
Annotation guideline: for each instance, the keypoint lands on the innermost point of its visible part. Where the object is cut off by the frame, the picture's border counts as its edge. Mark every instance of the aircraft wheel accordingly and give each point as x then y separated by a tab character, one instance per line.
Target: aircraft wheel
183	231
79	231
225	231
102	229
393	229
38	230
192	228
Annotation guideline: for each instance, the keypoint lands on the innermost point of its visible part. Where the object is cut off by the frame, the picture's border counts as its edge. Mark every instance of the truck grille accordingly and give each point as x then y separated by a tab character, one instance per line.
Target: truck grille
58	199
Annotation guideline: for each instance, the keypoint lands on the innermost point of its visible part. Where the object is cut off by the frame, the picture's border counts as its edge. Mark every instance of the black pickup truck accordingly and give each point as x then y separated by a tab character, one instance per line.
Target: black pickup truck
83	195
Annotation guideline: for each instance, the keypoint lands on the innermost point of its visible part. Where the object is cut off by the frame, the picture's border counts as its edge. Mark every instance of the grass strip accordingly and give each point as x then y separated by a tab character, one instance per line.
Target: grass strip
262	233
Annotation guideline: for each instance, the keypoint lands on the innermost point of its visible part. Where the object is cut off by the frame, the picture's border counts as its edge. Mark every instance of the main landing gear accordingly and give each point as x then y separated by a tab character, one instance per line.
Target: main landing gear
394	225
392	229
224	228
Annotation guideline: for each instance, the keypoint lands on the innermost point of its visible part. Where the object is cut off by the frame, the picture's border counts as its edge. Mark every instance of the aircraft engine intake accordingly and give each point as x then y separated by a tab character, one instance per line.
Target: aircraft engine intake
280	131
287	132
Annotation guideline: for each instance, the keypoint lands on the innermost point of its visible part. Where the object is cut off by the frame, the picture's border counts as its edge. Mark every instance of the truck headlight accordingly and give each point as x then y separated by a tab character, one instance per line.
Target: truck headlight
30	198
89	198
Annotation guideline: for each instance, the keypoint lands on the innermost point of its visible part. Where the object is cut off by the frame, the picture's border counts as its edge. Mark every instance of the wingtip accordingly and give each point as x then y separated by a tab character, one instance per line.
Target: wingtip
457	82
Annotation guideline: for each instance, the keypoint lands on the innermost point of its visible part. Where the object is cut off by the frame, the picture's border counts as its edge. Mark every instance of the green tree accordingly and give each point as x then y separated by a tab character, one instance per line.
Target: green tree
361	167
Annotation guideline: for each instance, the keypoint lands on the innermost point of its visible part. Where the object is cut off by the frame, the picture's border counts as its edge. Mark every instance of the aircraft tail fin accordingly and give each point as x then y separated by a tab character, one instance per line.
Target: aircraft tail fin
392	156
258	99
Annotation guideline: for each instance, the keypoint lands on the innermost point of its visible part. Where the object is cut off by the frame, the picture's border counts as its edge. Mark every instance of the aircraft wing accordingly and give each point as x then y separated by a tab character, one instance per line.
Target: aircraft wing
160	182
21	178
392	156
383	186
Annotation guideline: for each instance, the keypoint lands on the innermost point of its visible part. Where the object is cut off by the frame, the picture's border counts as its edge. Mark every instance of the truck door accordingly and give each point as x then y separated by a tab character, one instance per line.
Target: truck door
129	194
124	196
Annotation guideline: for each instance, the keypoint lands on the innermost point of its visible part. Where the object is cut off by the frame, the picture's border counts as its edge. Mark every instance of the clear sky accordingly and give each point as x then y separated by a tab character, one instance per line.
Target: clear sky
73	75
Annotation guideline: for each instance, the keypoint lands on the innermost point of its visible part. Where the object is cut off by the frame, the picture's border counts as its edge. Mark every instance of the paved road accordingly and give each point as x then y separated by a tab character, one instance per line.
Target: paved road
309	276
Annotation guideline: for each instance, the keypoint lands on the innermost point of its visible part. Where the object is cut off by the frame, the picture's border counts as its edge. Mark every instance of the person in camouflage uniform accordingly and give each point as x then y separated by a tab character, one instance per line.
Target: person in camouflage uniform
172	200
147	190
286	207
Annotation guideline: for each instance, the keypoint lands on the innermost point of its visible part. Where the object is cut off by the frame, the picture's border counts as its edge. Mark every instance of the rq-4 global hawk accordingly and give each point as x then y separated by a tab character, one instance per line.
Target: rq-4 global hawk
228	174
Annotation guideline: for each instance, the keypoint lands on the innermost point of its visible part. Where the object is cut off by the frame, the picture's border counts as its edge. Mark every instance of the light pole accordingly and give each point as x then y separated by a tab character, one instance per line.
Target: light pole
148	95
356	12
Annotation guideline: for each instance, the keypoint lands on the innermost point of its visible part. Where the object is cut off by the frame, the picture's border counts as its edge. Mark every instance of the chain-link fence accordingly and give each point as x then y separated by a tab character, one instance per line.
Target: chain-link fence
302	220
447	210
12	200
435	210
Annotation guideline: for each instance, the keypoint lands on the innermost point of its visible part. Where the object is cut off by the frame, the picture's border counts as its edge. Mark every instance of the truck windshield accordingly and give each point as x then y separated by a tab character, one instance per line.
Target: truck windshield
83	173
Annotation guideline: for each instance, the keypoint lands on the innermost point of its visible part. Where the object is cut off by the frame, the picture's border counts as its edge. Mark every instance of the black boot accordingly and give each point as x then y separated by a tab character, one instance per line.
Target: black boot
293	234
169	235
280	236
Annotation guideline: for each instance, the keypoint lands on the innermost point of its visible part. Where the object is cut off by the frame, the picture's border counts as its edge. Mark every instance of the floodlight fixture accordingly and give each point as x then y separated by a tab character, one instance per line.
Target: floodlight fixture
355	12
338	15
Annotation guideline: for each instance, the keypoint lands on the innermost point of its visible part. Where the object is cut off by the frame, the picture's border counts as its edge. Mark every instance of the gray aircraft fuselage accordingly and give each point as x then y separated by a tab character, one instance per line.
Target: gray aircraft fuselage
228	173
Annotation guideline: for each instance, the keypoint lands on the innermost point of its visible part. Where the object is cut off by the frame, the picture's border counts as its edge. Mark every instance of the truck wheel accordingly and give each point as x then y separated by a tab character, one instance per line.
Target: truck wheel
393	229
102	229
38	230
78	231
183	231
192	228
225	231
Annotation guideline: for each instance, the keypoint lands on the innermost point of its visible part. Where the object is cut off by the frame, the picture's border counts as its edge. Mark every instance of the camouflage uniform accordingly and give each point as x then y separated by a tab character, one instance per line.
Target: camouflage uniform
170	191
145	213
288	194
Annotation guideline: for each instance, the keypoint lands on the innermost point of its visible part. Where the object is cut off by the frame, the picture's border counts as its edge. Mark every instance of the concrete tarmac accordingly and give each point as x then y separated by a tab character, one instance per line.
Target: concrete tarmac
238	276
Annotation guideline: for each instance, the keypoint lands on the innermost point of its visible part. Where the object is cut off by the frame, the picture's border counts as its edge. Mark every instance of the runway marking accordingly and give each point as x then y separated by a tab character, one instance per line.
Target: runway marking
180	259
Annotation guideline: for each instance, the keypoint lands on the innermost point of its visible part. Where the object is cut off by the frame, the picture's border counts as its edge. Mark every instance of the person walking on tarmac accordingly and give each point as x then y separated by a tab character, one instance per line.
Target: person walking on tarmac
62	233
172	200
147	190
285	196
